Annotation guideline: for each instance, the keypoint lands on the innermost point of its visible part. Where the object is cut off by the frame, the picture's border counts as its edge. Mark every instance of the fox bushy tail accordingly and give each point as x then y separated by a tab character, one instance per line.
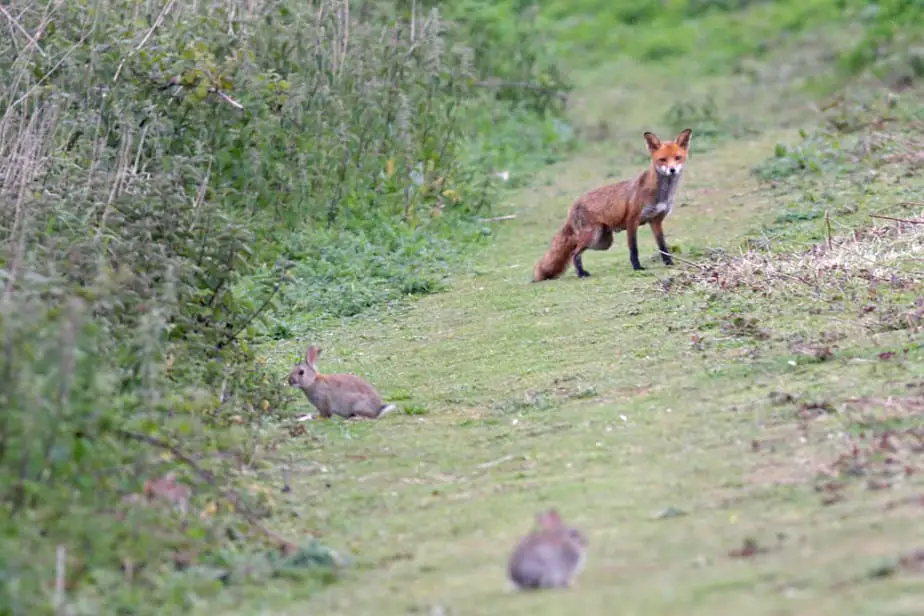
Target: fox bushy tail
555	261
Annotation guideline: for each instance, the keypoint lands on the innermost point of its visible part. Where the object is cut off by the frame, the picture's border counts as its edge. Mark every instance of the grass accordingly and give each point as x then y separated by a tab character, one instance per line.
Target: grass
696	423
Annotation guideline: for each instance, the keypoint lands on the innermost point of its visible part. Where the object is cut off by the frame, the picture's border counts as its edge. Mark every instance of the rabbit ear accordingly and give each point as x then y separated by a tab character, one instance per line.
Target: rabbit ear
311	355
549	519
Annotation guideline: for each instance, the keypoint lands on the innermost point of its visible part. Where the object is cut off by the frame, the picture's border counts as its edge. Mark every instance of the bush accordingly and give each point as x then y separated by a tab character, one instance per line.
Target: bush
892	27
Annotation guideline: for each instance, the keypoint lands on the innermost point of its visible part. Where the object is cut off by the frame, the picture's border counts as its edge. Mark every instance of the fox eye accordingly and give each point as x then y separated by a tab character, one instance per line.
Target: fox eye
677	158
662	160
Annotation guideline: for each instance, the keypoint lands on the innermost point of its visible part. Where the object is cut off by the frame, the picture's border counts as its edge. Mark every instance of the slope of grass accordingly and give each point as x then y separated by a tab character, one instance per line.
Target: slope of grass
715	429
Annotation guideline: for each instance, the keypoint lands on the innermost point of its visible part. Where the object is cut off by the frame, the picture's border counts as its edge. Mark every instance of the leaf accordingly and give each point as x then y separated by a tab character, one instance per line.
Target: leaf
210	510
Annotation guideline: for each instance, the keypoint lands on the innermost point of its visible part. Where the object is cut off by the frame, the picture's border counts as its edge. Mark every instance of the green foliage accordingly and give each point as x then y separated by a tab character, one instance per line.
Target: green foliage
711	125
865	147
511	49
892	38
816	153
342	274
862	131
710	33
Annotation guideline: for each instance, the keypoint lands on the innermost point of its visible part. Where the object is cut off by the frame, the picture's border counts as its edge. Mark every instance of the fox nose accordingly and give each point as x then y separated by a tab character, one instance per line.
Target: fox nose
672	171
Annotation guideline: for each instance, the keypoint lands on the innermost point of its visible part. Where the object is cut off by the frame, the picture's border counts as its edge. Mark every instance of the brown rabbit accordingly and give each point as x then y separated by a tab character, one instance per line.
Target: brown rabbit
549	557
345	395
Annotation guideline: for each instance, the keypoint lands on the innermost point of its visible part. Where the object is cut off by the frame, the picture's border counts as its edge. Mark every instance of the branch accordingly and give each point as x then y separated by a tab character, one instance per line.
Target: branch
32	40
681	259
913	222
523	85
227	98
157	22
498	218
257	313
209	478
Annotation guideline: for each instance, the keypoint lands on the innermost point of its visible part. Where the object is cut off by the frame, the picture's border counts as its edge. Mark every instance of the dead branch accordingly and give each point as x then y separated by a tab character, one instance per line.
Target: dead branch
227	98
209	478
682	260
498	218
60	576
157	23
32	40
913	222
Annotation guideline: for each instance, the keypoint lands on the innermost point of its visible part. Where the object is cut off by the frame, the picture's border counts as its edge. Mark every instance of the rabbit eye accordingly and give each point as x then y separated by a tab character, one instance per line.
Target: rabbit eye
301	372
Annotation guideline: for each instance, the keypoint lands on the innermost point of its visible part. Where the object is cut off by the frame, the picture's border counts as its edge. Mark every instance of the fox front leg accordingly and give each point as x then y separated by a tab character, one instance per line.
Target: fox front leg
658	230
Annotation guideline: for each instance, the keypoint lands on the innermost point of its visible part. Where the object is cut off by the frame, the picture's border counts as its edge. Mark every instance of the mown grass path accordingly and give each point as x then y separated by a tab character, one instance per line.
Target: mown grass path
588	395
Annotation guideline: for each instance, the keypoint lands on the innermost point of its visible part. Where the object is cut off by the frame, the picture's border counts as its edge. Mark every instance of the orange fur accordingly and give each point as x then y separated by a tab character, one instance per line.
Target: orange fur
623	206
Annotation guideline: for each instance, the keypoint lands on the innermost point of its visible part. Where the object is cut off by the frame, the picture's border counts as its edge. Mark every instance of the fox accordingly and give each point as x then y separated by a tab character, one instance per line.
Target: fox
624	206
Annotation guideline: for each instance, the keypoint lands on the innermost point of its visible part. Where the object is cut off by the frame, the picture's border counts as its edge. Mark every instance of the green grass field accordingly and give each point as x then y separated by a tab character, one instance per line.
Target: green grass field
674	415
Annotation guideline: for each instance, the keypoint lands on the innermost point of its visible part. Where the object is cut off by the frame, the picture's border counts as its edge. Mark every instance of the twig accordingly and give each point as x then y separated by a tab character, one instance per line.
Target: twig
32	40
525	85
913	222
209	478
498	218
506	458
828	223
154	26
227	98
253	316
179	455
47	75
682	260
60	576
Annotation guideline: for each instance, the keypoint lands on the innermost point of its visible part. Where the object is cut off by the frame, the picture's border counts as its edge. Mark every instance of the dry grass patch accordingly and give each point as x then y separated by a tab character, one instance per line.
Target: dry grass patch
880	254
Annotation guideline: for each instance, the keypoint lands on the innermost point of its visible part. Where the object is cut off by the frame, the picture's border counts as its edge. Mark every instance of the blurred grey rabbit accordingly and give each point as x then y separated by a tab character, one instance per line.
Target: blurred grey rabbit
549	557
345	395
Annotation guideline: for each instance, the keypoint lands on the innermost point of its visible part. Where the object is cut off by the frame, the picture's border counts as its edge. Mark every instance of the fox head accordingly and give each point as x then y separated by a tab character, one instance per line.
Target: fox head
668	157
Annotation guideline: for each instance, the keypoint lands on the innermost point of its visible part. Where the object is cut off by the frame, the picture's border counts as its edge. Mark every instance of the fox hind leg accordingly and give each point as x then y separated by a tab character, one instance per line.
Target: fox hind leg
603	239
597	238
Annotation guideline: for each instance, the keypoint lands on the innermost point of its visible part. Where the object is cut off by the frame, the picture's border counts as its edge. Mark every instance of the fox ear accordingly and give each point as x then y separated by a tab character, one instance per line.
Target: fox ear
311	355
683	139
653	142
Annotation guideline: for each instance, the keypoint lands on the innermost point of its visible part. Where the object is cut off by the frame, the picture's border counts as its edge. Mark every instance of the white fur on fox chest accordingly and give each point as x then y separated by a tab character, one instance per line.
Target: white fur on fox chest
664	198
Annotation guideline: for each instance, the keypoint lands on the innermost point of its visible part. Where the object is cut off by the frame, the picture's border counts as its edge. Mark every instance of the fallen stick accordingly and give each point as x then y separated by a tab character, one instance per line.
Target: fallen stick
60	577
913	222
498	218
681	259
